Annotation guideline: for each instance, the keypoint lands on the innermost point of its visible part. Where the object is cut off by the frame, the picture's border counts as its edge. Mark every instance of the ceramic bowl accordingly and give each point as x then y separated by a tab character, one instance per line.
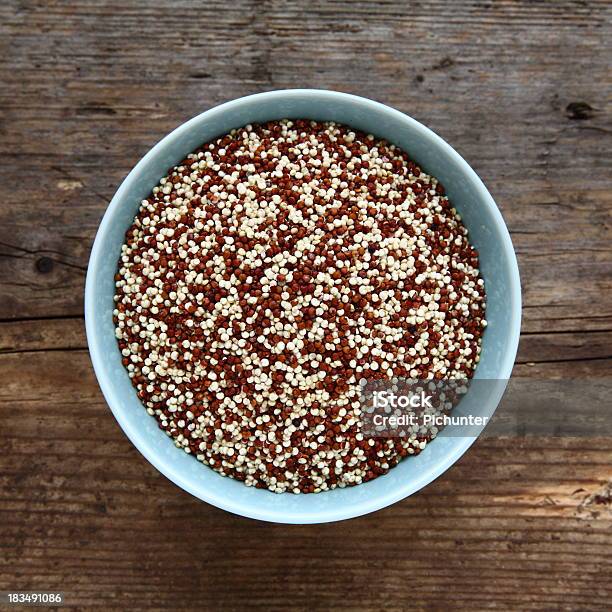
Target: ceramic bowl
487	233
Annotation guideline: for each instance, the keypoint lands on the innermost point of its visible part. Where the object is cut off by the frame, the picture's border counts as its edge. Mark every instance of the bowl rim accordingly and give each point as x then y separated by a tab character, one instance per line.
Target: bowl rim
333	513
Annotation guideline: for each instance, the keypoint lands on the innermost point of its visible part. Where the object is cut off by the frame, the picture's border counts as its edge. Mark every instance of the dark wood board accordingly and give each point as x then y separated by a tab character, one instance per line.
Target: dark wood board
520	89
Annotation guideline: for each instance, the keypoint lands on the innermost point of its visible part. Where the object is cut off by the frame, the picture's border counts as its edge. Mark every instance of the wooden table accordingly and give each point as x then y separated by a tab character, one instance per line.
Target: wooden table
87	87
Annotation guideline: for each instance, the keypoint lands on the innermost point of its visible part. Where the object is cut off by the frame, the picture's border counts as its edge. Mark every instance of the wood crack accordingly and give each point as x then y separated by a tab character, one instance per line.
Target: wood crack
34	252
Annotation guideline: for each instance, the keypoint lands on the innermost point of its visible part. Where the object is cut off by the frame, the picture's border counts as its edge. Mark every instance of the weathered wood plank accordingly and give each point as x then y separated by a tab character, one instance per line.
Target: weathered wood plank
42	335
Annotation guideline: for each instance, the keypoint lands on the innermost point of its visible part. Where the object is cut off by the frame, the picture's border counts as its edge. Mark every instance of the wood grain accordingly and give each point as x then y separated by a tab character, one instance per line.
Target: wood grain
520	89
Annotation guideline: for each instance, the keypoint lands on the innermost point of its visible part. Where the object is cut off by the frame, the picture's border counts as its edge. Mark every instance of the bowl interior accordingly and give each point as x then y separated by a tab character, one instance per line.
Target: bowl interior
487	232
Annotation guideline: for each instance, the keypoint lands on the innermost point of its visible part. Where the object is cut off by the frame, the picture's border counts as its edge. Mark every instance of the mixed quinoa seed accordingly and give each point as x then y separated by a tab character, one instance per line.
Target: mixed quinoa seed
267	275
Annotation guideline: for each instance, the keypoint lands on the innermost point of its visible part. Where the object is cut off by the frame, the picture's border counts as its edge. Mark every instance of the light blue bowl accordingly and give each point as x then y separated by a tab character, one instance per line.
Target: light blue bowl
488	233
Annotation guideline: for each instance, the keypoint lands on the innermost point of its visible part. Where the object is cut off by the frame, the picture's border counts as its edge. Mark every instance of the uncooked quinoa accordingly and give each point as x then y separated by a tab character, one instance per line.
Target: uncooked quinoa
267	275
